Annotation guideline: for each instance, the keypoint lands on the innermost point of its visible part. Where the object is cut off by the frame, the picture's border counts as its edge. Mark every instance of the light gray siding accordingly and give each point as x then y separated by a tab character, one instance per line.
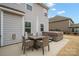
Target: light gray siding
17	6
12	24
31	16
37	12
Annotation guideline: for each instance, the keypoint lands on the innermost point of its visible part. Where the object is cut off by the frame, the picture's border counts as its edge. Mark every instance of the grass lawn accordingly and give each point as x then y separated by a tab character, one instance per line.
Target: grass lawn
72	48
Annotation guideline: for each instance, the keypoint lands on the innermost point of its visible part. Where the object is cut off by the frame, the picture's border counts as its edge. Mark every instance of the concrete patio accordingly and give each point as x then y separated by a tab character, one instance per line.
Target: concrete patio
15	50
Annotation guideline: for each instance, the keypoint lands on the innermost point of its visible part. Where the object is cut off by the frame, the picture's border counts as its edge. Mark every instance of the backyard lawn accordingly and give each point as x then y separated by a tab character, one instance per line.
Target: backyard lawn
72	47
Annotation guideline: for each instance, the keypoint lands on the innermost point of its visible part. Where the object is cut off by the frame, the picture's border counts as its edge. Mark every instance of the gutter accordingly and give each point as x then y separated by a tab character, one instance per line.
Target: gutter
12	11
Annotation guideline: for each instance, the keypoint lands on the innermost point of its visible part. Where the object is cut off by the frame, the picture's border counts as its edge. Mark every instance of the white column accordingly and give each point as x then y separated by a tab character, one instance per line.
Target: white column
37	25
23	25
1	27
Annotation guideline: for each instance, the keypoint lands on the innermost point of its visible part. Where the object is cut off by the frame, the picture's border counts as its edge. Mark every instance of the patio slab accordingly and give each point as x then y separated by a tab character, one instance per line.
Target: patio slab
15	50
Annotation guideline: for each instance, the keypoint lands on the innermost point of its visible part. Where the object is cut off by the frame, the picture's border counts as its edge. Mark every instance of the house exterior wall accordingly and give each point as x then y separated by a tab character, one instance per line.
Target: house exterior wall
16	6
13	23
61	25
36	13
31	16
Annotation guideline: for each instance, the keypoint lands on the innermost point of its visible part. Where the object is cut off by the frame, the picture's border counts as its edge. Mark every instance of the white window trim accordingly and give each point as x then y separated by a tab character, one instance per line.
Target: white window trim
1	27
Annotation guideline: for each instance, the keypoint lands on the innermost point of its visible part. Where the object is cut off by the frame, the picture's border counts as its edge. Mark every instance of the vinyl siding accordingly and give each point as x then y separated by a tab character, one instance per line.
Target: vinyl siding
16	6
31	16
12	24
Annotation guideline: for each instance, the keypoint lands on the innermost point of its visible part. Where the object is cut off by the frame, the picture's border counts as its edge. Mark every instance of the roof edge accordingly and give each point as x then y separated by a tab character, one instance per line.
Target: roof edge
43	5
62	20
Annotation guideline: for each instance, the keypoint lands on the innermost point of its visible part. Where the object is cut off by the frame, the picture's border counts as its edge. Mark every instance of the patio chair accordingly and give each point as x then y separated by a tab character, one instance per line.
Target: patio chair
46	34
43	43
26	43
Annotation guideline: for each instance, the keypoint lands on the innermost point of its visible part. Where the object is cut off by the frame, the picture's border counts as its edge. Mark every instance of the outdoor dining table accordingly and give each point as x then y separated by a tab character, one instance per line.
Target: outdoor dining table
35	38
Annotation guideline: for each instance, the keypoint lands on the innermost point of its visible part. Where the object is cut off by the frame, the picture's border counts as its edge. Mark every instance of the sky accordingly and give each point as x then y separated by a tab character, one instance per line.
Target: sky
70	10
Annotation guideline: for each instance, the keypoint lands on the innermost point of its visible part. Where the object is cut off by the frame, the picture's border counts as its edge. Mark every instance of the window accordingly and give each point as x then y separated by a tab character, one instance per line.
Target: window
29	7
76	29
45	14
42	27
28	27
